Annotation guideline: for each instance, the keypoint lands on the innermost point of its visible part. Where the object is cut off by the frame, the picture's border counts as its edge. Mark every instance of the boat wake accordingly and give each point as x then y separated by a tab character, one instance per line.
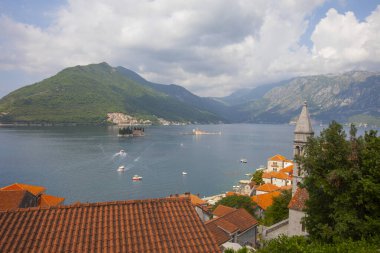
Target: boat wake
121	154
137	159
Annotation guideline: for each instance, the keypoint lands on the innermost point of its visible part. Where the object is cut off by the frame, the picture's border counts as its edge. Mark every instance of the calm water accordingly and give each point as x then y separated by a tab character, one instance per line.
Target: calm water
79	163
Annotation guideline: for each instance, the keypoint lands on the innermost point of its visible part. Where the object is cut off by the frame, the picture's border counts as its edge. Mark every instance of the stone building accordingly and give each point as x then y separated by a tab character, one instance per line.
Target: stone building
296	206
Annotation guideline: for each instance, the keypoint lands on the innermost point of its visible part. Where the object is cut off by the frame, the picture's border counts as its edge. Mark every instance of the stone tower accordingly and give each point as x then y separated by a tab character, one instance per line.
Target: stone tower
302	132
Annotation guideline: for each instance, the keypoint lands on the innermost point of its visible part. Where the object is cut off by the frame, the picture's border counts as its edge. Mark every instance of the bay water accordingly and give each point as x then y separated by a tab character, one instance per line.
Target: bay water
80	163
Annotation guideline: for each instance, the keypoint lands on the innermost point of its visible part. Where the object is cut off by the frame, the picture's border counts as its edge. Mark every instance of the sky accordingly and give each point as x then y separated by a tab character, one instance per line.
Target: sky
210	47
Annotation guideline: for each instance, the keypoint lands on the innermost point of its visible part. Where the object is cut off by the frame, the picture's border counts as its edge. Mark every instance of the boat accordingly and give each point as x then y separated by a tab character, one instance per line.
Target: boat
248	174
200	132
137	178
184	173
243	160
121	168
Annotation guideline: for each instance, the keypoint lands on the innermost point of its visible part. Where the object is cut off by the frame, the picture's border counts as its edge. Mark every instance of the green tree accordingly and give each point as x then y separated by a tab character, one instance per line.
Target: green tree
278	211
258	177
300	244
343	184
237	201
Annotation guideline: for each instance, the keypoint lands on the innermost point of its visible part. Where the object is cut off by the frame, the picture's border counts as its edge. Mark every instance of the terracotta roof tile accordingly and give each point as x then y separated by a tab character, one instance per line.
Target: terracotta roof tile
298	201
274	174
195	200
153	225
31	188
267	188
265	200
16	199
288	169
278	158
221	210
240	218
285	187
49	200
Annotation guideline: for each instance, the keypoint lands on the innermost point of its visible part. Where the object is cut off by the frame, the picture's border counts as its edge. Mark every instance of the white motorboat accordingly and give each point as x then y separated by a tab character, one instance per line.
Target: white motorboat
137	178
121	168
184	173
243	160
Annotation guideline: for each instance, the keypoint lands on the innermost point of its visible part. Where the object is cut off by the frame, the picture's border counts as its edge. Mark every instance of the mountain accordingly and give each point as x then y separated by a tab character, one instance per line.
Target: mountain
178	92
85	94
342	97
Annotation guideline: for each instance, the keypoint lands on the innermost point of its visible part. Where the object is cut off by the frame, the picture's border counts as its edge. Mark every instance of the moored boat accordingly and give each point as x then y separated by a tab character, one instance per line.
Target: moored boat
121	168
137	178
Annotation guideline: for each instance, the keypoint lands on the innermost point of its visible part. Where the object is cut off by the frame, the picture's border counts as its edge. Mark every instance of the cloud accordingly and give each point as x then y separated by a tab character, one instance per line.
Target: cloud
211	47
343	43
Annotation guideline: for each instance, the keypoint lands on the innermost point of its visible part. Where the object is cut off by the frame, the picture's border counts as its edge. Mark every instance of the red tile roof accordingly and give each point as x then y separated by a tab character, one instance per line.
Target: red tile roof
267	188
285	187
298	201
195	200
265	200
155	225
31	188
288	169
221	228
49	200
16	199
277	158
274	174
221	210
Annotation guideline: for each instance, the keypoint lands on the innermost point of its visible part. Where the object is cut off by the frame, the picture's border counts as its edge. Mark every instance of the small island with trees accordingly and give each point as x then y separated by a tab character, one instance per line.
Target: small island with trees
131	131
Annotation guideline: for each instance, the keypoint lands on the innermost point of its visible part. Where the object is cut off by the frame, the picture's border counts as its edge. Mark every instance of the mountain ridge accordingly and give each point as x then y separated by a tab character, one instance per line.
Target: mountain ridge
85	94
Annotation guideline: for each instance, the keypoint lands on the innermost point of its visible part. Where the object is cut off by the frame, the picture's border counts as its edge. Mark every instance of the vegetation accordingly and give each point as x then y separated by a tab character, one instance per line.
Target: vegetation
300	244
258	177
278	211
242	250
344	185
237	201
85	94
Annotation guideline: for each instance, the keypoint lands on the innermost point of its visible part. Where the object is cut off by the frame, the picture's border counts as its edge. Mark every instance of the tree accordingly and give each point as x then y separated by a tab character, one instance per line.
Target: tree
237	201
258	177
343	184
278	211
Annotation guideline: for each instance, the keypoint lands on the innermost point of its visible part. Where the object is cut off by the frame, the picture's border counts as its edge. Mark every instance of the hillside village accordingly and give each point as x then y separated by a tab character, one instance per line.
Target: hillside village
33	221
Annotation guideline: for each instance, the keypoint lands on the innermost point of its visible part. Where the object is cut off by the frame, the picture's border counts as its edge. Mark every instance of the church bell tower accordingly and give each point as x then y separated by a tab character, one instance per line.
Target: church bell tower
302	132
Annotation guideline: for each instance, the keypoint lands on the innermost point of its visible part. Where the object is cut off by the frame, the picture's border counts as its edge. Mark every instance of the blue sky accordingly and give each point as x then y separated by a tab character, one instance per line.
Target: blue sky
210	47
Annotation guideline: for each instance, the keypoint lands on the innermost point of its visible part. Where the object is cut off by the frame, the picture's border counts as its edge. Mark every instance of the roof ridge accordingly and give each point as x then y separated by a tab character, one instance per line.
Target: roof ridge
105	203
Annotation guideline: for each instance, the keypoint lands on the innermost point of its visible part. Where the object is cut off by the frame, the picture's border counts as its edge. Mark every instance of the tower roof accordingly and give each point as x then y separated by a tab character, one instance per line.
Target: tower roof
303	123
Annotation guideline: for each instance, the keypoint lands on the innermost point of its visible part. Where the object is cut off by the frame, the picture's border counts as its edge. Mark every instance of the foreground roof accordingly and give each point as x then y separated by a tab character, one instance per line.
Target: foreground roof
153	225
237	221
31	188
298	201
265	200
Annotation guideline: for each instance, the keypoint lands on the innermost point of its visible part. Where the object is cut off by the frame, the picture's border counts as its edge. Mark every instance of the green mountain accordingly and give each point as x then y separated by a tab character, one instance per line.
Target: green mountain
85	94
352	96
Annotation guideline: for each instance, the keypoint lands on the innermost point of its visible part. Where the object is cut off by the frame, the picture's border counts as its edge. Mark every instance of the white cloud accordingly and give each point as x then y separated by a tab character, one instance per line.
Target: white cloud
211	47
342	42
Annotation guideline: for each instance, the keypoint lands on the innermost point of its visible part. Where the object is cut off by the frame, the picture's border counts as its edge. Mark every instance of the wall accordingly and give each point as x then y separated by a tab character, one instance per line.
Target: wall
295	226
